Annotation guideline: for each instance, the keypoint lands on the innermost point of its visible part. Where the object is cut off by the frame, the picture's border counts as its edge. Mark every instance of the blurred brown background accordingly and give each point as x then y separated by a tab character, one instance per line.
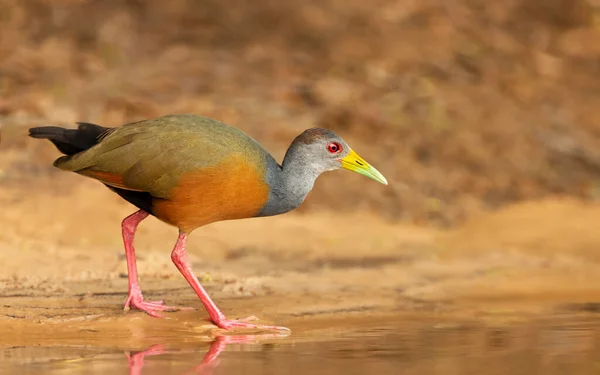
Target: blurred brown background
465	105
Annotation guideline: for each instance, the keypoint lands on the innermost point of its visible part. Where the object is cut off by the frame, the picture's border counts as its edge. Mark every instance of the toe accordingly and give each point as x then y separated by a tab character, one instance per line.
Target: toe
152	308
152	313
230	324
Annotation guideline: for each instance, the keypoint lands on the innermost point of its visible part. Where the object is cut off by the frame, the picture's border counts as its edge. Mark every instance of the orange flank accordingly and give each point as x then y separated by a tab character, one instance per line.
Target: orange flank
232	189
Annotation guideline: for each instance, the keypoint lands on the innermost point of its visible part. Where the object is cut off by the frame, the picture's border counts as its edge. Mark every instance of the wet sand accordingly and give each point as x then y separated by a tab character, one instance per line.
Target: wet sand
323	275
556	344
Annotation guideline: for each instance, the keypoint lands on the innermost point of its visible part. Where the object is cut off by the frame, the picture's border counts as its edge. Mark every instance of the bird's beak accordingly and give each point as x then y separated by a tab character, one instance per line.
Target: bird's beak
355	163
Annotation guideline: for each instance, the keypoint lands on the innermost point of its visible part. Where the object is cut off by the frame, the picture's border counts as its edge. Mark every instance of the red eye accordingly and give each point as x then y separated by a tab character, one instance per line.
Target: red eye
334	148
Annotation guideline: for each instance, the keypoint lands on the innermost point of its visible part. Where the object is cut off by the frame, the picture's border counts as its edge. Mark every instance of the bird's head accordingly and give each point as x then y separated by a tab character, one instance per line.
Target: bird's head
326	151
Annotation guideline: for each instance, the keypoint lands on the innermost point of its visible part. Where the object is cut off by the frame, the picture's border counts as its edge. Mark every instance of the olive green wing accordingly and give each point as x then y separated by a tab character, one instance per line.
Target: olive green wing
150	156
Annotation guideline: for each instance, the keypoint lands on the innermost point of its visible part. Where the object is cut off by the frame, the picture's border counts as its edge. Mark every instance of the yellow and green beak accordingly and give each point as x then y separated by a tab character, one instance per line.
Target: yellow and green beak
355	163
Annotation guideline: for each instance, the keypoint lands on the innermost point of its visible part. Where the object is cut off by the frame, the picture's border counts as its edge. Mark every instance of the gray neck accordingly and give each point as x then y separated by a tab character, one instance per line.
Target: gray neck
290	183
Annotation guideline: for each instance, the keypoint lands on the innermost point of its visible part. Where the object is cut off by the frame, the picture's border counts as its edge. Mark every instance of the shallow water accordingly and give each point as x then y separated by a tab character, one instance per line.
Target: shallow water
568	344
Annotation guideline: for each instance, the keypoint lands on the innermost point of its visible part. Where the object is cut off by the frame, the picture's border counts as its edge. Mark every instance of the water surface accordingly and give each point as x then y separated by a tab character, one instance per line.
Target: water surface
566	344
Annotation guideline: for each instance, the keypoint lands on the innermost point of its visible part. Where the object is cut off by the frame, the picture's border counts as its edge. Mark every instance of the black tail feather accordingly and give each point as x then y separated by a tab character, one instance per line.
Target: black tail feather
70	141
73	141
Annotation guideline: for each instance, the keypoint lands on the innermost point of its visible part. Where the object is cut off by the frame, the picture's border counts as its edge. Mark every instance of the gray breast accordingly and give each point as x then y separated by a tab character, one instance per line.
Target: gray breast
284	194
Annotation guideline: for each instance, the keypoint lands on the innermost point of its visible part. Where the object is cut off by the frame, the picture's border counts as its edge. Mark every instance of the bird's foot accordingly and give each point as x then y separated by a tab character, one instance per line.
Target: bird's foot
152	308
228	325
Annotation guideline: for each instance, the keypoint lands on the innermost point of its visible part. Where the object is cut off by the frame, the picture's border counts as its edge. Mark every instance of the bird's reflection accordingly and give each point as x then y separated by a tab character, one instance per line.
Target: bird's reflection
210	360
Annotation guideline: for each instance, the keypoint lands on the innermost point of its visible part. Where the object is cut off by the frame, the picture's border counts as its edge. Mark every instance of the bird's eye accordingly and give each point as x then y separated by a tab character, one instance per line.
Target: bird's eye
334	147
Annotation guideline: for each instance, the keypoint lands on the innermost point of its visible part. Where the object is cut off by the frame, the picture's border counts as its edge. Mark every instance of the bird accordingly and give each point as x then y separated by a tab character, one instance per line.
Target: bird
189	171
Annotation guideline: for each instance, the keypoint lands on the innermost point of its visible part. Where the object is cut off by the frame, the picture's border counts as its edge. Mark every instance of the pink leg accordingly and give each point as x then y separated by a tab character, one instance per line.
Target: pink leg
136	361
210	360
179	257
135	298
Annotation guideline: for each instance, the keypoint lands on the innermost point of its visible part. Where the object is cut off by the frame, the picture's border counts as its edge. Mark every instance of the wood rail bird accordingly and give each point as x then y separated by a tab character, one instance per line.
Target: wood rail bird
189	171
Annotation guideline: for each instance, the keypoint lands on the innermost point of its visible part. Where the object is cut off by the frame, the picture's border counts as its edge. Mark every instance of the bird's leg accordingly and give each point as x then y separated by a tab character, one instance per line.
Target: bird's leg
180	258
135	298
136	360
